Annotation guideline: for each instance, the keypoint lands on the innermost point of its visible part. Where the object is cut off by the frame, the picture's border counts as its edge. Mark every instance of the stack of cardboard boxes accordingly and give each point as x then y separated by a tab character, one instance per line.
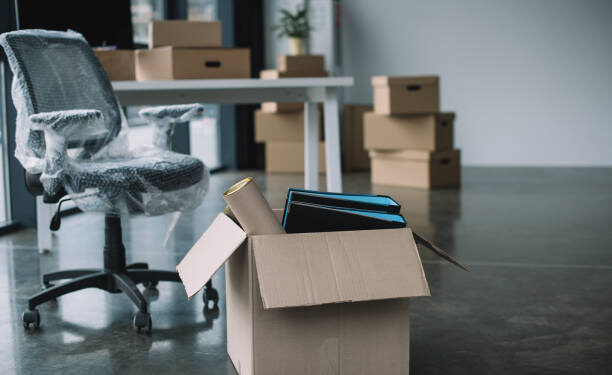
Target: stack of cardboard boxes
410	142
178	50
281	125
190	50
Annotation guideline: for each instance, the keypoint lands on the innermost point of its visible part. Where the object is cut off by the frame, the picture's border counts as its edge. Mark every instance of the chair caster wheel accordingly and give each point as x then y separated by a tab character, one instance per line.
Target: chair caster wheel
31	317
210	294
142	321
150	284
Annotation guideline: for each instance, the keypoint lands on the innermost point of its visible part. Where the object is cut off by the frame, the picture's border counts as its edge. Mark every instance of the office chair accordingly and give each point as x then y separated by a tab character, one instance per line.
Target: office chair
71	140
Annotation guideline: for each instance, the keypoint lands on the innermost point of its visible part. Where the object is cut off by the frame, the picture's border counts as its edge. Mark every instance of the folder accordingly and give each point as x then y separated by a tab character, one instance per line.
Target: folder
352	201
303	217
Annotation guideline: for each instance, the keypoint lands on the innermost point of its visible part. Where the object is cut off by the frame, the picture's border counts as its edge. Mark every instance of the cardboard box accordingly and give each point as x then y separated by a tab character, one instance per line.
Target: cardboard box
277	107
300	64
119	65
180	33
271	127
355	156
166	63
406	95
415	168
423	132
312	303
276	74
288	157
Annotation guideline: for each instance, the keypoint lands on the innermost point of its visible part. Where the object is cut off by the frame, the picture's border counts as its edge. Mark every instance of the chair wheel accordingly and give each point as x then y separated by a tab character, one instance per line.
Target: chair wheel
31	317
150	284
142	321
210	294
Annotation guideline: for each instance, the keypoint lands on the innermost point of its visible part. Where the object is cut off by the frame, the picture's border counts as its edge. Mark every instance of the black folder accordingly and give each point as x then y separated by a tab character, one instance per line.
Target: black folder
303	217
381	203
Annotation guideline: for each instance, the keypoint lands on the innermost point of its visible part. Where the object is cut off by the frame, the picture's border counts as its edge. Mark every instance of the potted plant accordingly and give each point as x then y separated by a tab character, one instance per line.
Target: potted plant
296	28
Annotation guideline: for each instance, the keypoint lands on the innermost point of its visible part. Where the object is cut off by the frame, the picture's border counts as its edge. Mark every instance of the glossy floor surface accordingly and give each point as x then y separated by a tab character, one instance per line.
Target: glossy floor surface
538	299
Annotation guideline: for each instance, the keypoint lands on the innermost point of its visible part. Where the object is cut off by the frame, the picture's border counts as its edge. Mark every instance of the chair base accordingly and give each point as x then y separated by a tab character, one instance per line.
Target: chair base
115	277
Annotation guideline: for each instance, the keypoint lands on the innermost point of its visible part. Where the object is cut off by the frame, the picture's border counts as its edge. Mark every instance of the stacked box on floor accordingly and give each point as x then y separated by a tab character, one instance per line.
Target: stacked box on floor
283	135
281	125
410	142
189	50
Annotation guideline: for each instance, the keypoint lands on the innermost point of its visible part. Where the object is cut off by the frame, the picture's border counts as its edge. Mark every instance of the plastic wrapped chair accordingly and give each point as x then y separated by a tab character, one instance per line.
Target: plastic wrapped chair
71	138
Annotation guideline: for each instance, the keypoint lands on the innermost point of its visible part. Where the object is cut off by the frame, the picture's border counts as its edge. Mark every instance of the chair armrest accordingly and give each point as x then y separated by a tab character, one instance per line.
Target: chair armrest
57	126
165	117
63	122
172	113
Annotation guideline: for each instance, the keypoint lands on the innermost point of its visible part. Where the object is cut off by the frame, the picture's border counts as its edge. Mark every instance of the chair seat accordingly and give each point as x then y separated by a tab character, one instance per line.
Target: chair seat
156	170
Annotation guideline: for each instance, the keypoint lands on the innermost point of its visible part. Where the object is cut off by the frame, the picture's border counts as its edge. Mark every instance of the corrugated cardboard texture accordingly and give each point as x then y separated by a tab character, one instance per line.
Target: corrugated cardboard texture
300	64
120	65
209	253
406	95
317	268
416	169
166	63
424	132
355	156
179	33
288	157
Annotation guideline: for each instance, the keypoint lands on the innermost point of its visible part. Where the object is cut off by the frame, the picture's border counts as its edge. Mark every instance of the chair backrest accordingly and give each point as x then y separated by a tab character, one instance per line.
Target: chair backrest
55	71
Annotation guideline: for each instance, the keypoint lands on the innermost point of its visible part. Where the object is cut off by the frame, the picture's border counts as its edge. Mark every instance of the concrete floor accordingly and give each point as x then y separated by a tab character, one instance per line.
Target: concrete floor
538	299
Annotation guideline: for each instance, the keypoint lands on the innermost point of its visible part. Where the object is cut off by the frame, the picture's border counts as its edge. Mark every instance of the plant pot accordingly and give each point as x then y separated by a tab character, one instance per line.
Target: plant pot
297	46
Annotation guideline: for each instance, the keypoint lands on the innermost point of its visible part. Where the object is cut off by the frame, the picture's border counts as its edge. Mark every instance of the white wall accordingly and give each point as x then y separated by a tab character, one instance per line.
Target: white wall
529	80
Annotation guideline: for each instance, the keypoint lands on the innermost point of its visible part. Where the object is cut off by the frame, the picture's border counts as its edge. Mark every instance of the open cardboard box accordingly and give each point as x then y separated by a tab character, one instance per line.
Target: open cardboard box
312	303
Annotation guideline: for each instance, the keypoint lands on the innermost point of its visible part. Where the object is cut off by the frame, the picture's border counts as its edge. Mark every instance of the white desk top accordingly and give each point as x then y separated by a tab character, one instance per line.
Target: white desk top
224	84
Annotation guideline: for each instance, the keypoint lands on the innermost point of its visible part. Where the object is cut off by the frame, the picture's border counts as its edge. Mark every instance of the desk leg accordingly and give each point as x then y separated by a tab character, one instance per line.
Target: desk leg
311	146
332	141
44	213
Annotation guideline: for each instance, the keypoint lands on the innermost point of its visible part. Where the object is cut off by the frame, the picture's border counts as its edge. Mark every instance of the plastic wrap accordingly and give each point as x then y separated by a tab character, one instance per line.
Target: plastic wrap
71	130
163	119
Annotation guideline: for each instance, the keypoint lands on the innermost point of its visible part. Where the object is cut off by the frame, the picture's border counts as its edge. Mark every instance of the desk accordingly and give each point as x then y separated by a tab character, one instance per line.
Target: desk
244	91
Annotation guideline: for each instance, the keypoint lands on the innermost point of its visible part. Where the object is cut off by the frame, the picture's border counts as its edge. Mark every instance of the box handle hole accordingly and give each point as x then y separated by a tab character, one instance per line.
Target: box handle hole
445	161
444	124
413	87
212	64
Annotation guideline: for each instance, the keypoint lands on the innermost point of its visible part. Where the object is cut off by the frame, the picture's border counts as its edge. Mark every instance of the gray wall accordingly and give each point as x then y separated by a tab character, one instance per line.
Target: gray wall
530	81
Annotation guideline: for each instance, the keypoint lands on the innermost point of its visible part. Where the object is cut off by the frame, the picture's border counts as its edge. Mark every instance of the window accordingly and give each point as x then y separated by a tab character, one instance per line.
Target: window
144	11
204	134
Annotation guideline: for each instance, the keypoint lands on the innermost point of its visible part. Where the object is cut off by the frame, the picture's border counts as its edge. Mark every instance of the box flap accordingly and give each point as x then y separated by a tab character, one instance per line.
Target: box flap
416	80
316	268
420	155
215	246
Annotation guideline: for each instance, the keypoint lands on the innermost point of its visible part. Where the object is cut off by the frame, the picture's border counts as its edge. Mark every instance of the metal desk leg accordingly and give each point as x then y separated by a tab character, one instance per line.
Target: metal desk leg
332	141
44	212
311	146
